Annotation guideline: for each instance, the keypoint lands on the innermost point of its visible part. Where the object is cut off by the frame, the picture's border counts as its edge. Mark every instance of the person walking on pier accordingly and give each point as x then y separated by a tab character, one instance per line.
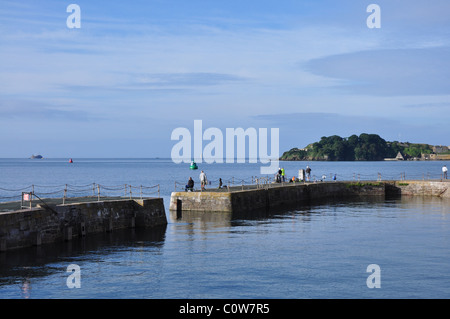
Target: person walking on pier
444	171
203	180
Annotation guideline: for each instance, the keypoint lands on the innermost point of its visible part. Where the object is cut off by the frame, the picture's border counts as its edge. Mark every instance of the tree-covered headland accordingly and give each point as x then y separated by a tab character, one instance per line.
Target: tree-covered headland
365	147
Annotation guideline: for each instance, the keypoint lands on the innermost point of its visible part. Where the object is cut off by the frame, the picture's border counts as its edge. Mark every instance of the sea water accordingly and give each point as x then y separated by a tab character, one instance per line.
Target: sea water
317	251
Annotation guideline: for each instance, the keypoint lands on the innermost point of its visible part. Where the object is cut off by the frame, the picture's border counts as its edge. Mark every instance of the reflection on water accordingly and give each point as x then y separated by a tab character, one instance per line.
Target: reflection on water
32	262
393	207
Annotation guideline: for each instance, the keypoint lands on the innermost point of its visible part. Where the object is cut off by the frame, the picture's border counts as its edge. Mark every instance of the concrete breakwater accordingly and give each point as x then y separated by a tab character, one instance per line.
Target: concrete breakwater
41	225
293	194
419	188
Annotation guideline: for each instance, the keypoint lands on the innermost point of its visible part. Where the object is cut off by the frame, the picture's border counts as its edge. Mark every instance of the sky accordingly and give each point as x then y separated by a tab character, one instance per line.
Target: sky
135	71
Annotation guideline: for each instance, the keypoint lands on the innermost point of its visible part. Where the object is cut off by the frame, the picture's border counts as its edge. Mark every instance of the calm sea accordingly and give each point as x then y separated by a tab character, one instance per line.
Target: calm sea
318	251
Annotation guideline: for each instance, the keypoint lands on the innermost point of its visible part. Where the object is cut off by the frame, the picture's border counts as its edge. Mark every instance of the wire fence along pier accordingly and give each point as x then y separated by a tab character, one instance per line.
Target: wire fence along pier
255	182
71	193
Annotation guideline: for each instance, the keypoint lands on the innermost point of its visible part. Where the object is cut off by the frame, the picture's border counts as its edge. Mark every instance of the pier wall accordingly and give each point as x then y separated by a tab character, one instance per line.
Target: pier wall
270	197
42	225
420	188
295	194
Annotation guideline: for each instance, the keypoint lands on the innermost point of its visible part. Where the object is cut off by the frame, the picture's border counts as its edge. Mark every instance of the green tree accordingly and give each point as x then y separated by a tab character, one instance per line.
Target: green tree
365	147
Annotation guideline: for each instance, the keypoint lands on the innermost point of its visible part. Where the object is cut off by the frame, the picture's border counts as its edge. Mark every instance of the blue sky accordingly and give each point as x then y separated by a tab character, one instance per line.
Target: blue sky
136	70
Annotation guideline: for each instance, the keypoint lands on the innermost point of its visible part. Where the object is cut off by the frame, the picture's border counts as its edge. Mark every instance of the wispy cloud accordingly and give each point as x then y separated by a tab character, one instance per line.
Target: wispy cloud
441	105
186	79
26	110
388	72
308	127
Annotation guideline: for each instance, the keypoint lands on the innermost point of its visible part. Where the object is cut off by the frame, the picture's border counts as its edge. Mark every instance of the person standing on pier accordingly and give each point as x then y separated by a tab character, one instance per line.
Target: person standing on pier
203	180
283	174
444	171
308	173
278	176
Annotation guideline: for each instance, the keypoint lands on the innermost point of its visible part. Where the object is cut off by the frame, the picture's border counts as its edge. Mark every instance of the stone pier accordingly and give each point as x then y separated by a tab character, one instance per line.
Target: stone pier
41	225
277	196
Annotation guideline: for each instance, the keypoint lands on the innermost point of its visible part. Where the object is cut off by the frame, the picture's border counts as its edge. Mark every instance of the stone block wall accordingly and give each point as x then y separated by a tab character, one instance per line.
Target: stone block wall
202	201
271	197
423	188
293	194
63	222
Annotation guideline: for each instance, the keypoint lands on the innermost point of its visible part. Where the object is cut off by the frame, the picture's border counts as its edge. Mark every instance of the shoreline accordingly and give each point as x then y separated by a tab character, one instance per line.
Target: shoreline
363	161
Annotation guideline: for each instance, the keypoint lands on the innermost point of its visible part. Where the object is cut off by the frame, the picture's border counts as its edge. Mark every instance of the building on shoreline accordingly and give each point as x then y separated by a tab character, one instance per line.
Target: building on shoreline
435	157
399	157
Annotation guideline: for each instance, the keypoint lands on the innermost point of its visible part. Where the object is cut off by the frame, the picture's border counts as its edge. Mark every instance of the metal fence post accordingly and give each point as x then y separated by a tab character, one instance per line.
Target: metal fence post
65	194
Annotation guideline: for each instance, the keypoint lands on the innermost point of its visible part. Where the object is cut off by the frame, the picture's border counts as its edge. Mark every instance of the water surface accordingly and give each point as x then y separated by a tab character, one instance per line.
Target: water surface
317	251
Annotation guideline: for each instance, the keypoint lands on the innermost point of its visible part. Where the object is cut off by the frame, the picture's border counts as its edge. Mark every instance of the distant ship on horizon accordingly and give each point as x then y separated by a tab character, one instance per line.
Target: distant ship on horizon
36	156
